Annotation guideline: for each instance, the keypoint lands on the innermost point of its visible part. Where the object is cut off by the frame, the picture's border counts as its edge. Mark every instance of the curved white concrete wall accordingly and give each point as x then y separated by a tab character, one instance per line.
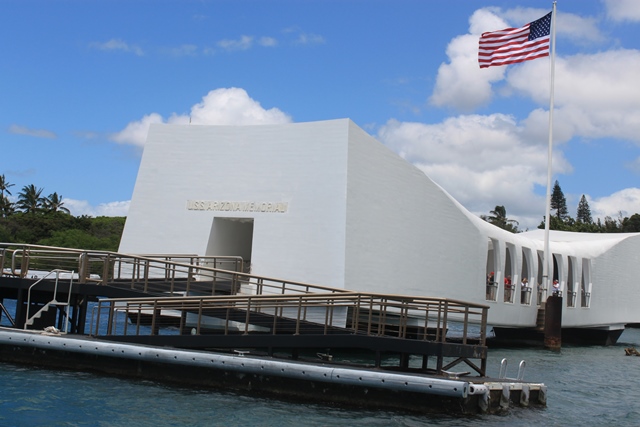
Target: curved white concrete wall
404	233
326	203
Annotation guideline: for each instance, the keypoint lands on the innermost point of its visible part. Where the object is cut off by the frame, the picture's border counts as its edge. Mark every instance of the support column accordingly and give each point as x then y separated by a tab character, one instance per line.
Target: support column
81	318
553	323
21	308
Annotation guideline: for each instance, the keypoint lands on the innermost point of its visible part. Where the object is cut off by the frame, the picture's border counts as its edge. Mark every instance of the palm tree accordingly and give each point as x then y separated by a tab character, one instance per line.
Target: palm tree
54	203
6	207
30	199
499	218
4	186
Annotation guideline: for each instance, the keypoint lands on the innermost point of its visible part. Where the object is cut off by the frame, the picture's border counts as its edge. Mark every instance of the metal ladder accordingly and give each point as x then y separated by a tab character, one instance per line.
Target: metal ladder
54	302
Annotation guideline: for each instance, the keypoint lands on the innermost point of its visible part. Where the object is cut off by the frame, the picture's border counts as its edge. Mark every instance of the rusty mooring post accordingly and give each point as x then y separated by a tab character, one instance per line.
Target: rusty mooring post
553	323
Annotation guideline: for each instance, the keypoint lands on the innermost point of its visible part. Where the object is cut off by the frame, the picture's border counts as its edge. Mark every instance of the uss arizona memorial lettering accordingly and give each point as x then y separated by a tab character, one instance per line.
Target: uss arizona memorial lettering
227	206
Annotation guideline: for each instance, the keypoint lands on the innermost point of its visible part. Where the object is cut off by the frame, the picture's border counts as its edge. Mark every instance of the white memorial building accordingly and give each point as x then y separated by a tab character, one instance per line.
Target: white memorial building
326	203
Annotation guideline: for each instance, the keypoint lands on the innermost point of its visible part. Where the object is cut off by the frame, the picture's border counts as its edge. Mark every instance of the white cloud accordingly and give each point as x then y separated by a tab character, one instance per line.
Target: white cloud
38	133
136	132
623	10
578	29
225	106
117	44
82	207
267	42
461	84
182	50
626	201
243	43
233	106
482	161
246	42
593	99
304	38
485	161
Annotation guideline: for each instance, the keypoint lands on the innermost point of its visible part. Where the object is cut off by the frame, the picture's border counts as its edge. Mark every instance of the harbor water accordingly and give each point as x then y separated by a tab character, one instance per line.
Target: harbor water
587	386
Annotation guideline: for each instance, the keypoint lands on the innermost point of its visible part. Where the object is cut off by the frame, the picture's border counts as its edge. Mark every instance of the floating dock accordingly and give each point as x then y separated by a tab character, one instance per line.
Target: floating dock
161	318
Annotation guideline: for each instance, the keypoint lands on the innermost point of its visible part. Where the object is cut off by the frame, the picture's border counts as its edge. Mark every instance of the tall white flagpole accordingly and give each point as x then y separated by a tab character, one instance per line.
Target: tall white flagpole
547	263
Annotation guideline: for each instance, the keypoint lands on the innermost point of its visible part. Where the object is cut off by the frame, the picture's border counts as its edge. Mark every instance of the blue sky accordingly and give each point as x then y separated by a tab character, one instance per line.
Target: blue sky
83	79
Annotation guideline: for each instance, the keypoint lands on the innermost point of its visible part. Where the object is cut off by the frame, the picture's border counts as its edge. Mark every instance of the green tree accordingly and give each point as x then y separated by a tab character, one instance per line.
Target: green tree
559	203
558	224
498	217
4	186
54	203
30	199
584	212
64	230
631	224
6	207
76	239
583	227
610	225
34	219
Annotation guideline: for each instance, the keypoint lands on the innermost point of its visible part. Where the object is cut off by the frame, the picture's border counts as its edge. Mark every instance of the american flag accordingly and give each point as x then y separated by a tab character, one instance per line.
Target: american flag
513	45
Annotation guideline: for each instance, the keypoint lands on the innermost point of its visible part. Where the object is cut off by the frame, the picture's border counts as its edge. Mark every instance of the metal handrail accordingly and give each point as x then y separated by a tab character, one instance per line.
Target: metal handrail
26	253
54	301
384	311
161	273
253	304
144	270
420	319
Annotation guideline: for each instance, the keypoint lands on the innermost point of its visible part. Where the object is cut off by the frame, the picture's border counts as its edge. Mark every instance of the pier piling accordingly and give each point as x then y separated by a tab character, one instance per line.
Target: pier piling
553	323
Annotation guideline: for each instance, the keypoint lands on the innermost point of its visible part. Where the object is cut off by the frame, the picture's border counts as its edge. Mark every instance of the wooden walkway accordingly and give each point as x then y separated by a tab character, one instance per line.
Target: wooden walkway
210	303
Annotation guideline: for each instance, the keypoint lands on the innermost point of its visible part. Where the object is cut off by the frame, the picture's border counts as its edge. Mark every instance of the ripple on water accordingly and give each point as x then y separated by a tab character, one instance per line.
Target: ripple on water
588	386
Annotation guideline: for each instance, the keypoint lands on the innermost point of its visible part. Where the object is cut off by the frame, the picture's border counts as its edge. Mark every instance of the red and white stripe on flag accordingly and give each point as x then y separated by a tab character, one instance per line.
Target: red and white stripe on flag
513	45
